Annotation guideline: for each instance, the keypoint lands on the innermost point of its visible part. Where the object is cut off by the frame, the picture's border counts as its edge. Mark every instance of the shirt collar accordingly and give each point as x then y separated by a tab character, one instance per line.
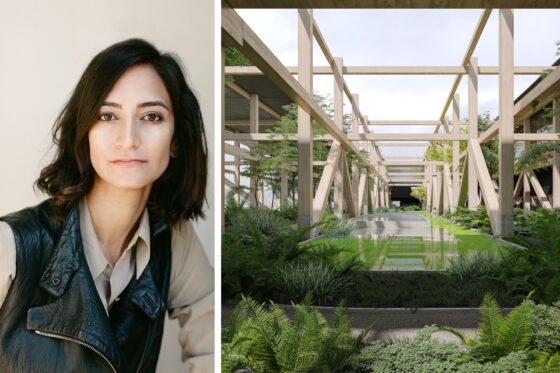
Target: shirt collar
92	250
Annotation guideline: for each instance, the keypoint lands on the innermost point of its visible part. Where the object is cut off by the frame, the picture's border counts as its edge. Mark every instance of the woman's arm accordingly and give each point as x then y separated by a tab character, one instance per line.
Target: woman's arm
191	298
7	260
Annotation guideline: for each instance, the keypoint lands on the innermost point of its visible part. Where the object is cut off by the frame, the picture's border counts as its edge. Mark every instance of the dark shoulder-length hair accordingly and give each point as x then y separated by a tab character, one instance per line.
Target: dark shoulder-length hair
177	194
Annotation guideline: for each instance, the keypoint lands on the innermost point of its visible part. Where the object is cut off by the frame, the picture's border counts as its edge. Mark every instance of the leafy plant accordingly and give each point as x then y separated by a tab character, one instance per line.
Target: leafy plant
317	280
499	335
546	363
424	354
340	228
475	265
546	328
254	244
539	265
268	341
536	156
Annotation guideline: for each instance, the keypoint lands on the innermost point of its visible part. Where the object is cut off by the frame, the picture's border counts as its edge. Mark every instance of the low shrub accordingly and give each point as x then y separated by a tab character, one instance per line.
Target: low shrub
288	212
471	219
423	354
323	284
254	244
546	328
340	228
476	265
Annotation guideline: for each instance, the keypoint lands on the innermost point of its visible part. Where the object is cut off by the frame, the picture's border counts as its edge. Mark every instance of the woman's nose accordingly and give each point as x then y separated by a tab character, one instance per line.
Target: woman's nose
128	137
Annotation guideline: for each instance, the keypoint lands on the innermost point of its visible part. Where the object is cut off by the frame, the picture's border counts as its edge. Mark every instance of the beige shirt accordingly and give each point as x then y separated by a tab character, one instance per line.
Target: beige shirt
191	290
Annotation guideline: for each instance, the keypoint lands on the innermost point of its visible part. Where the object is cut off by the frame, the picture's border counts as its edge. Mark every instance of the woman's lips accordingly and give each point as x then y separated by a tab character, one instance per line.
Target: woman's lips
128	162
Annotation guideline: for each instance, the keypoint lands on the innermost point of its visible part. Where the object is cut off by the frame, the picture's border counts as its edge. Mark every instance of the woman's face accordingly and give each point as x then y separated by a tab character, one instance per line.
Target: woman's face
130	143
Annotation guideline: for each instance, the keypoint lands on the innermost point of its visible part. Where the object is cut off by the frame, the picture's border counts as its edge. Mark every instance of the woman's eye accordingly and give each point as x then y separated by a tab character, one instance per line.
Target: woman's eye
153	117
107	117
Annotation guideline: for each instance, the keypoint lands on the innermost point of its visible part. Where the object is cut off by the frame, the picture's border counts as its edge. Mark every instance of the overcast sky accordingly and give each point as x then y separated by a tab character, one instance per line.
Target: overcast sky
431	37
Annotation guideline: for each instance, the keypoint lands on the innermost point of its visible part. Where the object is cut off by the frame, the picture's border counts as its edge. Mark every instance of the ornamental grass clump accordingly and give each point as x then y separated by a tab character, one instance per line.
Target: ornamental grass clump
323	284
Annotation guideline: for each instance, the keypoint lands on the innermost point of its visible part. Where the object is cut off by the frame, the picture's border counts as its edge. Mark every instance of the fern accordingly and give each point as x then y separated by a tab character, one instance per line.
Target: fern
498	335
268	341
492	320
517	329
546	363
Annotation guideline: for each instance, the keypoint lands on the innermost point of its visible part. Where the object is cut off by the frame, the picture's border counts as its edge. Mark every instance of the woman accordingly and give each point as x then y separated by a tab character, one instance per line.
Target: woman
86	276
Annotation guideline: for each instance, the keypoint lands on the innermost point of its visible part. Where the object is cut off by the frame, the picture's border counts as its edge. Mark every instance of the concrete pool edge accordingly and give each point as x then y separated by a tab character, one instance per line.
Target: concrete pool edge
391	323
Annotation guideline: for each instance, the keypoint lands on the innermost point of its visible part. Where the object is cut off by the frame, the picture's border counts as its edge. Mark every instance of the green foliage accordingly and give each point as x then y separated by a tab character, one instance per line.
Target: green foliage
537	156
475	265
289	212
422	354
273	157
233	57
422	289
321	282
546	328
340	228
248	225
538	267
419	193
254	243
546	363
471	219
408	208
498	335
268	341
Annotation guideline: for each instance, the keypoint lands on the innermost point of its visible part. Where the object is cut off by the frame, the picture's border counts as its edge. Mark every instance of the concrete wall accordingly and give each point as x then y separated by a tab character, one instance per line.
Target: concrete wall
44	48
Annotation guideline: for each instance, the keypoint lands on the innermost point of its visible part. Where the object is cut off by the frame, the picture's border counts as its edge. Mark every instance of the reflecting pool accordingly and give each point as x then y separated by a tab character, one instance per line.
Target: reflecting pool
412	241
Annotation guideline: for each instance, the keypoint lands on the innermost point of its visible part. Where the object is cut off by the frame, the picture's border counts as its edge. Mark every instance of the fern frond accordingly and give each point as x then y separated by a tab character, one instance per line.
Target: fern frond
456	332
491	320
545	363
517	329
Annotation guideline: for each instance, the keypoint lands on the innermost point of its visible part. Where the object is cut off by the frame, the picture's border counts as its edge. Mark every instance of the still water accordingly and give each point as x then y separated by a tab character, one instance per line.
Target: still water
411	241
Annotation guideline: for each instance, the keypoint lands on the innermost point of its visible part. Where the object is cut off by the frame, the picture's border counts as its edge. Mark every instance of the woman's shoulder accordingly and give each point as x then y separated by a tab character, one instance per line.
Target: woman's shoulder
29	215
33	222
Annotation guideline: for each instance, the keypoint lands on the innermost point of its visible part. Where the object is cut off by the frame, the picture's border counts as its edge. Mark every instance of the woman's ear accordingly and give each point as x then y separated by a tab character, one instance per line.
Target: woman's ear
173	150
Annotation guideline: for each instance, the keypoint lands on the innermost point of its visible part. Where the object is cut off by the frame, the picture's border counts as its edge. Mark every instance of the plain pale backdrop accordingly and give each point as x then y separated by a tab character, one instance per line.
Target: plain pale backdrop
44	48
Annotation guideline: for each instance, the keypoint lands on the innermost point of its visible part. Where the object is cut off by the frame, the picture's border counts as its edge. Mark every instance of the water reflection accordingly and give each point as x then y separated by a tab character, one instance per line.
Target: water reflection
404	241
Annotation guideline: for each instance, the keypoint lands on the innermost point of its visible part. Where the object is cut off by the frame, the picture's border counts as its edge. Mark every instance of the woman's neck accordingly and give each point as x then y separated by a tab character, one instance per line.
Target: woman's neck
115	214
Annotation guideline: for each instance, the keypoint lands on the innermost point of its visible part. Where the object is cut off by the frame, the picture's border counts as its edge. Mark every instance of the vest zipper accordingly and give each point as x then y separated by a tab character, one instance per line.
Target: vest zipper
58	336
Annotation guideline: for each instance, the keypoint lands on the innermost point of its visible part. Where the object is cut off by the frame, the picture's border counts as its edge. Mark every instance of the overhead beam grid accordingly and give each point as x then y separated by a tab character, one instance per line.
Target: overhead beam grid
462	179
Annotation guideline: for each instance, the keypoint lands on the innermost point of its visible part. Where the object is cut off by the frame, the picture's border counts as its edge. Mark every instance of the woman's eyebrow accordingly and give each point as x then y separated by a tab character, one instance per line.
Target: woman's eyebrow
143	104
153	103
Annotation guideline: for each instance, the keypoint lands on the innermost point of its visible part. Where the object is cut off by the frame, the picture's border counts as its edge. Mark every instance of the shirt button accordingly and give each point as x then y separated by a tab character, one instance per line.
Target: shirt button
56	281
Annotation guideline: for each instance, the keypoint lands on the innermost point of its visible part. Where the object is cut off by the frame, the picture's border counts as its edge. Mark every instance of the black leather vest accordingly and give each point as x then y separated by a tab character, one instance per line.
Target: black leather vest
52	319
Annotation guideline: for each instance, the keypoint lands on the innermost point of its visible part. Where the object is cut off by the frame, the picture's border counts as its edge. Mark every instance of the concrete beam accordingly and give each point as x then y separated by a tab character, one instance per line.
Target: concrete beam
395	4
393	70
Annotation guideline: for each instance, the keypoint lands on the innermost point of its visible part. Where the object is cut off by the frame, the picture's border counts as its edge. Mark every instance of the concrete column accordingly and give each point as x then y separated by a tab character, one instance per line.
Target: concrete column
355	118
455	162
556	159
338	97
254	196
526	182
355	170
472	194
222	143
505	225
237	172
305	129
283	188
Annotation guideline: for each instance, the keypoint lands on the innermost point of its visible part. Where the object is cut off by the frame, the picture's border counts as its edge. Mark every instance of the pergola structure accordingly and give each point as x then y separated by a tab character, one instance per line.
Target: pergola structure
263	88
